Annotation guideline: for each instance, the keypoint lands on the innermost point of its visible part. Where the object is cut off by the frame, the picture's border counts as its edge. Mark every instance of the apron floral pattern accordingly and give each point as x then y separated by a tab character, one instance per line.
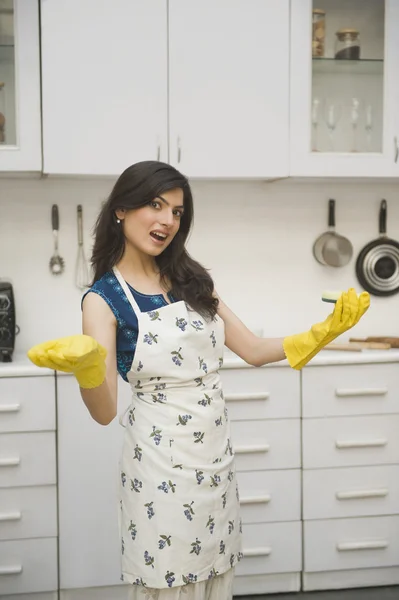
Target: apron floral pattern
179	503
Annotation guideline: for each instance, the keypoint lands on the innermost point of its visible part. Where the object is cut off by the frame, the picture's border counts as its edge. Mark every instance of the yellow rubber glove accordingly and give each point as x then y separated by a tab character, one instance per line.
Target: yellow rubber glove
80	355
349	308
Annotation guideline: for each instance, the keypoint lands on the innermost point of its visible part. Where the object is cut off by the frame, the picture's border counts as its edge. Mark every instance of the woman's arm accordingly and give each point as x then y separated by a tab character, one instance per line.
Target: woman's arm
254	350
99	322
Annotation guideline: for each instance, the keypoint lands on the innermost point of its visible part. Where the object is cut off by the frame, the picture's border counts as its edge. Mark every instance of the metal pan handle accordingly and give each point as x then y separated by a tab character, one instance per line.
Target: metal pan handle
331	214
383	218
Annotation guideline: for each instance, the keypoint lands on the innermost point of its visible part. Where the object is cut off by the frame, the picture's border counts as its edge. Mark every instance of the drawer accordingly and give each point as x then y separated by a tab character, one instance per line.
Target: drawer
340	544
27	459
27	404
28	512
28	566
271	548
262	393
270	496
353	492
350	390
266	444
350	441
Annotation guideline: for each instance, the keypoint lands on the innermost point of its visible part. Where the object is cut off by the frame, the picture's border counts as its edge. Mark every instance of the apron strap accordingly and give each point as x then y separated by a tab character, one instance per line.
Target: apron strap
128	293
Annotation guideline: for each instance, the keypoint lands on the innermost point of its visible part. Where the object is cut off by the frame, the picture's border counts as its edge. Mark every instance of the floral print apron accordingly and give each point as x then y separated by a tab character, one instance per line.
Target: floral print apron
179	504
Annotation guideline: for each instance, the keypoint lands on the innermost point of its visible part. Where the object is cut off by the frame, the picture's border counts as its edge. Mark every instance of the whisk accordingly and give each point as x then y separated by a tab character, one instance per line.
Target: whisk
82	270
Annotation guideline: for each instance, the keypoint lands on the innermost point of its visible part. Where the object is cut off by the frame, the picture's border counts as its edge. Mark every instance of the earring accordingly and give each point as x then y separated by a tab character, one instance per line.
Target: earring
118	221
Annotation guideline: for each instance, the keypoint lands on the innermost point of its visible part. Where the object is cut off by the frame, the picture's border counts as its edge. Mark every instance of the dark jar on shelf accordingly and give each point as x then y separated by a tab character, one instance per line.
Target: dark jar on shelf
347	45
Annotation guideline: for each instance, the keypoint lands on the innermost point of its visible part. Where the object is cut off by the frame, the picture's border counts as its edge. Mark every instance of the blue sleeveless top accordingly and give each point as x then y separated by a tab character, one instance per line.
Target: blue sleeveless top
109	289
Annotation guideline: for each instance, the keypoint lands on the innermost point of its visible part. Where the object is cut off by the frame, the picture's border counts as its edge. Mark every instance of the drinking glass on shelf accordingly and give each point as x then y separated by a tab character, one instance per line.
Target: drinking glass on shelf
369	125
355	106
315	123
332	114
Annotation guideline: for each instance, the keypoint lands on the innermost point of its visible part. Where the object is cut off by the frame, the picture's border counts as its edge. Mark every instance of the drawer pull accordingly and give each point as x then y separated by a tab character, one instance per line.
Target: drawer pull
9	408
11	570
252	449
256	499
10	462
12	516
361	392
361	444
254	396
350	546
362	494
266	551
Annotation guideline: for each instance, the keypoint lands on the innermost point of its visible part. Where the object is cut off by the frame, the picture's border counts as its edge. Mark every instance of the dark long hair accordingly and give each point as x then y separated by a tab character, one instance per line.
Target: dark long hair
138	185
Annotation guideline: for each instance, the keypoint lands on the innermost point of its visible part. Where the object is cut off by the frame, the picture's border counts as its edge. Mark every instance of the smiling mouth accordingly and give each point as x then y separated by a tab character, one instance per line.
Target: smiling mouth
158	236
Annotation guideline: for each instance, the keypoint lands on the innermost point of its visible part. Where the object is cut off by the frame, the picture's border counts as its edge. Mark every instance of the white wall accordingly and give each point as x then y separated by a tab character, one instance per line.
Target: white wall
255	237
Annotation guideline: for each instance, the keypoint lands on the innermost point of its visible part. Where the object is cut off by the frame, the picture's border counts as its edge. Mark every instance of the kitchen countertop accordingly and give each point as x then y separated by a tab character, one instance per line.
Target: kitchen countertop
22	367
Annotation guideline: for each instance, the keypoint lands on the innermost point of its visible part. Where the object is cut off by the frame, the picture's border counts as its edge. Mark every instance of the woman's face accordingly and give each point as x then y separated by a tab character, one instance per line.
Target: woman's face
151	228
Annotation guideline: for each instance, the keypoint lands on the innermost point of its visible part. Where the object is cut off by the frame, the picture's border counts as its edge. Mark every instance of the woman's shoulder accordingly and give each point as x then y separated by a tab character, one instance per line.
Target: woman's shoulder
107	287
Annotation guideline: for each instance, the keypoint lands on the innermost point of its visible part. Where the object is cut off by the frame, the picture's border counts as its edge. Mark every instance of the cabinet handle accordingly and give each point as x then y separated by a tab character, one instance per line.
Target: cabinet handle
362	494
350	546
178	150
361	392
266	551
12	516
11	570
7	408
251	449
395	141
158	152
254	396
361	444
256	499
10	462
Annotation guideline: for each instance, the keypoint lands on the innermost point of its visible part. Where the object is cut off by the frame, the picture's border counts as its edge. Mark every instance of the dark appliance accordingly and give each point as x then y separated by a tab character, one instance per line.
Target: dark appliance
7	321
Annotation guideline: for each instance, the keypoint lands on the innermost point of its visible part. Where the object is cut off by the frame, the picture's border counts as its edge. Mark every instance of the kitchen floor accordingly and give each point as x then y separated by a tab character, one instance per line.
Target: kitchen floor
382	593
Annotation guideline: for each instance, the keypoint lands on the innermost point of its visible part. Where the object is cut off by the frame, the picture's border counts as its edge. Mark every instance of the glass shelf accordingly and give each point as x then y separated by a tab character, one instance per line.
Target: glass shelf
331	66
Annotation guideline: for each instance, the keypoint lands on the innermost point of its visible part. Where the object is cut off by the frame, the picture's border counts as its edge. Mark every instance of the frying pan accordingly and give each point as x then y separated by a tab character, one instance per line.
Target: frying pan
377	266
330	248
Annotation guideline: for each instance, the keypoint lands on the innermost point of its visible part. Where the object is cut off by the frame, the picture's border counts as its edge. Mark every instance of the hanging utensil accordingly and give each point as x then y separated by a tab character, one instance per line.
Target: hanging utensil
377	266
57	264
330	248
82	271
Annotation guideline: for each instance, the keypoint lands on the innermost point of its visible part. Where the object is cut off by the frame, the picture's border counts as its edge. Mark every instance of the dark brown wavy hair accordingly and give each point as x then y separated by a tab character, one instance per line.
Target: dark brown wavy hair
138	185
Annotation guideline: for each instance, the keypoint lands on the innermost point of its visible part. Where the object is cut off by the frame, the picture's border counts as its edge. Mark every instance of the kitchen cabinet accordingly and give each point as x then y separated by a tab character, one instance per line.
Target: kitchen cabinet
28	487
202	85
20	118
229	87
104	82
344	113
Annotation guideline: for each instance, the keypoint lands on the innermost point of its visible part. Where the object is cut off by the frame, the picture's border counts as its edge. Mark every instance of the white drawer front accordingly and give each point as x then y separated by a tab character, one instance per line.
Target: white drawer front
262	393
266	444
270	496
336	544
27	404
28	566
27	459
350	390
271	548
28	512
350	441
352	492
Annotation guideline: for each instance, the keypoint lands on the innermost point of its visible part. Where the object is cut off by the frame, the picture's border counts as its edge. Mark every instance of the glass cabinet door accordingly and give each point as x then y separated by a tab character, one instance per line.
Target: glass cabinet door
7	74
344	88
348	41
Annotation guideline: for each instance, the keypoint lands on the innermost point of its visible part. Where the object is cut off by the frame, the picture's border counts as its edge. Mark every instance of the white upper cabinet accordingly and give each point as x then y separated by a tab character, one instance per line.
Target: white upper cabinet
344	104
229	87
20	126
104	78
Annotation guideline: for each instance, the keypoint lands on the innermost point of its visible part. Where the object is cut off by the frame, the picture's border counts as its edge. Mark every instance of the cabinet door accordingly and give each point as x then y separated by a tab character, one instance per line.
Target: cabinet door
228	82
344	102
104	70
20	137
88	456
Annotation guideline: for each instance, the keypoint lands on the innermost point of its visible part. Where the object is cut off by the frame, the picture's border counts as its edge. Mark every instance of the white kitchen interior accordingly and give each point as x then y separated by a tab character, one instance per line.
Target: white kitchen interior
272	108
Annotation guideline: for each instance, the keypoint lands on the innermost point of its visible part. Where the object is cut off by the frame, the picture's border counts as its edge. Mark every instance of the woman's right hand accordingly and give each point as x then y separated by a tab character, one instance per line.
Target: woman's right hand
80	355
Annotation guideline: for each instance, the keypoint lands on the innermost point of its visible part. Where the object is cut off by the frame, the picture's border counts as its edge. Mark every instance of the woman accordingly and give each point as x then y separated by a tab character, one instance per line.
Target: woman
153	315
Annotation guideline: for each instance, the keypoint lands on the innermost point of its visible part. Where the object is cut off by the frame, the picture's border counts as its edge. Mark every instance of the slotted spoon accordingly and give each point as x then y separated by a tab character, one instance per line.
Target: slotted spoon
57	264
